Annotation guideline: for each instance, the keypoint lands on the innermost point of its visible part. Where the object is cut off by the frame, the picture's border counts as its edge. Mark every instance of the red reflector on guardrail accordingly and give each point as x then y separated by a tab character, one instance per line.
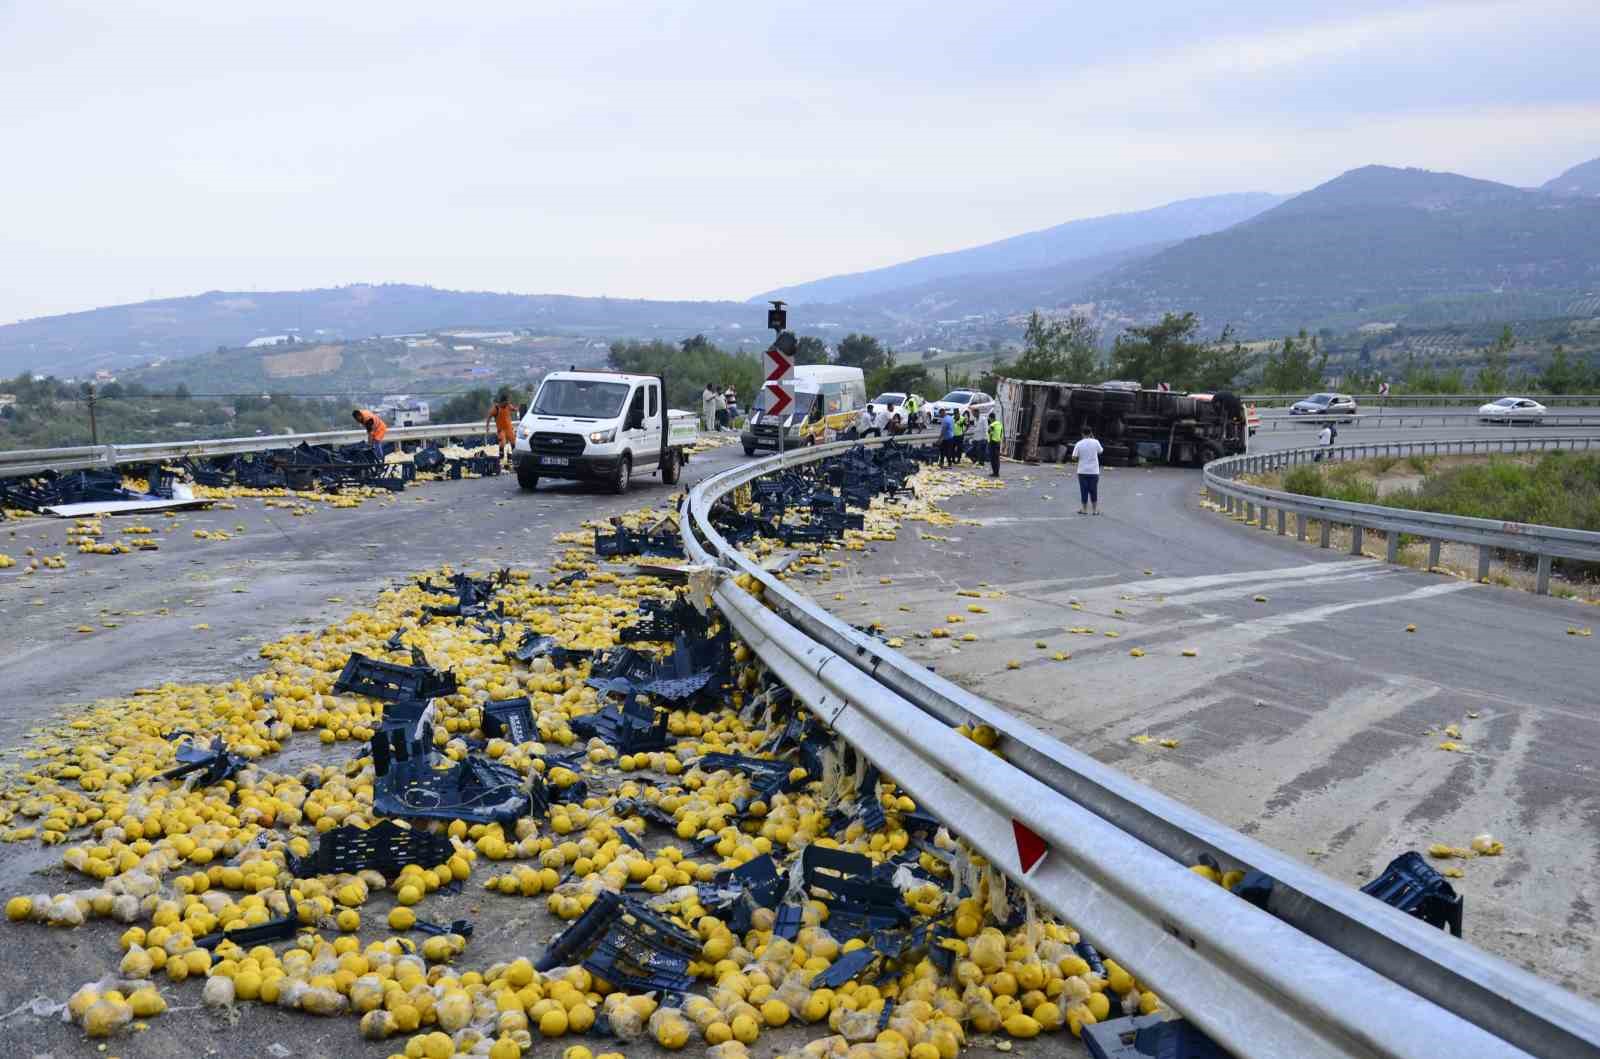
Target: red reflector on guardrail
1030	847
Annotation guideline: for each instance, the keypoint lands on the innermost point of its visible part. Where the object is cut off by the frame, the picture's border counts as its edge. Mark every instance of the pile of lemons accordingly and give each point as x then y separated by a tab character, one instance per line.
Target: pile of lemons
170	863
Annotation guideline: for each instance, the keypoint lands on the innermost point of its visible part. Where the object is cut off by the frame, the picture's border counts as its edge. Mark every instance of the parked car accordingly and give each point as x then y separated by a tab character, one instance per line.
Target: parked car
977	402
1512	410
889	399
1324	404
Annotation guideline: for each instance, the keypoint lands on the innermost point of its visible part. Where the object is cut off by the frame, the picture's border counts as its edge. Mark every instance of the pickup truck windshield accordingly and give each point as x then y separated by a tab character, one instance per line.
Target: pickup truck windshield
580	398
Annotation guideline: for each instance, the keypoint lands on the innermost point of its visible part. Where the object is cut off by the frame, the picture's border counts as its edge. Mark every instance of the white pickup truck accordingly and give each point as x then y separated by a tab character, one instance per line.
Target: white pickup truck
601	426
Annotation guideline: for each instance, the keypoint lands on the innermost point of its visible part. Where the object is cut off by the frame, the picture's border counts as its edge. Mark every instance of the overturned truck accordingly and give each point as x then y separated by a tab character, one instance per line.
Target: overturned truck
1044	419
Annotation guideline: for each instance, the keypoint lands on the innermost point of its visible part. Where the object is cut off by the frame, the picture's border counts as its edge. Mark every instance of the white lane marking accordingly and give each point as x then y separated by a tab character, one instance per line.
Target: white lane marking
1167	586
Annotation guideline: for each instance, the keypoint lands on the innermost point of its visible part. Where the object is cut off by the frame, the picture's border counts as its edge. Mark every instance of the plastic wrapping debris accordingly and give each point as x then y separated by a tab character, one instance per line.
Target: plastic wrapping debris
392	682
384	848
1410	885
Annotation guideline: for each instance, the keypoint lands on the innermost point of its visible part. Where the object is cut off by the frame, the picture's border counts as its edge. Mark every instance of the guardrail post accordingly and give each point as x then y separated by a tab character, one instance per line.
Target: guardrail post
1392	554
1543	586
1433	554
1355	540
1483	562
1300	526
1249	511
1263	516
1327	534
1283	518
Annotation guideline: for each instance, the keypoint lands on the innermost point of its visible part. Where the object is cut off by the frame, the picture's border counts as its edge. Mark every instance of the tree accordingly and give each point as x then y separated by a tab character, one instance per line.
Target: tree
1169	352
809	349
863	351
1494	376
1057	350
1294	367
698	342
181	392
1564	375
468	407
899	378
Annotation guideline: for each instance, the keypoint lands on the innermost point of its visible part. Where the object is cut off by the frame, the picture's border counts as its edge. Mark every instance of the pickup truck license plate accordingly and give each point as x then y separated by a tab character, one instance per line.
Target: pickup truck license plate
554	461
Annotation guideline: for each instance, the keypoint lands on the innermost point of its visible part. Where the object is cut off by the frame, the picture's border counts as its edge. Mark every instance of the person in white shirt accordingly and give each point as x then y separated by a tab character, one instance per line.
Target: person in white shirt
1086	454
867	423
1325	438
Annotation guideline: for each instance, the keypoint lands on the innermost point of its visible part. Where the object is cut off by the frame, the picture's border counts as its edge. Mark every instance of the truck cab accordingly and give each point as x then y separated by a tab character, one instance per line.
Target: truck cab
600	426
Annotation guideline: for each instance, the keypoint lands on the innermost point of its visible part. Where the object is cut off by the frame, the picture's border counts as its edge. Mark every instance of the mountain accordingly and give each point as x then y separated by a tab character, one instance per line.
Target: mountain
1581	179
122	336
1048	247
1375	244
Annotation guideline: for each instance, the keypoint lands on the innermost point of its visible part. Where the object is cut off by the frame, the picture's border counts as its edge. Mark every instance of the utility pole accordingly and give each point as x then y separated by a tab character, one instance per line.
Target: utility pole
94	431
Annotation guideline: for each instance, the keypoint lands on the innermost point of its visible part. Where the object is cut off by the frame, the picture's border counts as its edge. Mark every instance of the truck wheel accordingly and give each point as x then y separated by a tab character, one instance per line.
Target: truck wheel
1053	427
528	480
670	468
623	475
749	450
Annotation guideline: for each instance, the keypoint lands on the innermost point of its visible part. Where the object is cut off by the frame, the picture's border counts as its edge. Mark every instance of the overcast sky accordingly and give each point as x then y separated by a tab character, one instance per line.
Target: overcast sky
712	150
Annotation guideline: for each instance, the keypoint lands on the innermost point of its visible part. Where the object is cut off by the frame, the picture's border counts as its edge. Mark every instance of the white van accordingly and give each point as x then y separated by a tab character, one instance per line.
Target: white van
601	425
827	400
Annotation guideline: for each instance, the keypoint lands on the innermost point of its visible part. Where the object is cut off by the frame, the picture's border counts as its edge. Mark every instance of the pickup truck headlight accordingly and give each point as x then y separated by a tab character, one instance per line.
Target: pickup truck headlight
601	437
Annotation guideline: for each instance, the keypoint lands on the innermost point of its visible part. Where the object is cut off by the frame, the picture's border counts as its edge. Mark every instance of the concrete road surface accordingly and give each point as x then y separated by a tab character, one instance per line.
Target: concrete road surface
1310	718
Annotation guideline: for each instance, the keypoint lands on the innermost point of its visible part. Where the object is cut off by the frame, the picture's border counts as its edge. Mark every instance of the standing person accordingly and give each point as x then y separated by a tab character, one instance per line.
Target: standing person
947	438
707	416
880	419
375	427
502	413
960	440
730	404
1086	454
719	409
996	434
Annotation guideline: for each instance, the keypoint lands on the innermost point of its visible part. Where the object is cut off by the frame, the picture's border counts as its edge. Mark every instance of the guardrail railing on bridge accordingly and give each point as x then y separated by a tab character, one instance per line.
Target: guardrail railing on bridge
1329	972
1546	543
1553	400
1393	419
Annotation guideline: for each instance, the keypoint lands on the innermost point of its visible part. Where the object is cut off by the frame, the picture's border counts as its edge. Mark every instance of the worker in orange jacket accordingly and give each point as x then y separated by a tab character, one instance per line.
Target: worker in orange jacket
502	413
375	427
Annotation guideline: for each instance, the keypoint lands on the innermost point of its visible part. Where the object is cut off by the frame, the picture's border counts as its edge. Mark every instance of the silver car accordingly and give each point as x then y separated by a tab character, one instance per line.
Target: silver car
1512	410
1324	404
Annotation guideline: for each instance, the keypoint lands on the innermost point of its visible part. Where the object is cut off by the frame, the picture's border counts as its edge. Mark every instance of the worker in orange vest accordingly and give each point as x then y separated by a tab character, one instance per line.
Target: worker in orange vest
376	429
502	412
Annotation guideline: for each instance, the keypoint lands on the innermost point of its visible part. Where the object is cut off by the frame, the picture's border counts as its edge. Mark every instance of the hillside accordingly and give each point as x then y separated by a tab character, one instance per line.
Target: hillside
123	336
1050	247
1579	180
1376	244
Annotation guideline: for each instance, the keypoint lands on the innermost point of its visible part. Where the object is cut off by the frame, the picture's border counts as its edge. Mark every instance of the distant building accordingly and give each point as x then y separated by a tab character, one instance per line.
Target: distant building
403	410
7	400
464	349
104	376
268	340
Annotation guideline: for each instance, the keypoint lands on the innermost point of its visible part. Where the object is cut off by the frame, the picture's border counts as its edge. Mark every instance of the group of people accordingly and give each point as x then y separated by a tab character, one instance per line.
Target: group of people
719	406
877	421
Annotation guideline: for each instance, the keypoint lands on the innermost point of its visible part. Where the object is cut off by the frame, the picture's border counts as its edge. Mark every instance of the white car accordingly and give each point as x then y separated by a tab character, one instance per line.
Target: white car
1512	410
890	400
977	402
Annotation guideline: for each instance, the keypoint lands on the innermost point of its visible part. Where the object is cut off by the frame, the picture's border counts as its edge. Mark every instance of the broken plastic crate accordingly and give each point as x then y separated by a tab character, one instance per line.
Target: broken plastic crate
214	763
628	945
1410	885
1149	1037
624	542
385	848
392	682
475	788
510	719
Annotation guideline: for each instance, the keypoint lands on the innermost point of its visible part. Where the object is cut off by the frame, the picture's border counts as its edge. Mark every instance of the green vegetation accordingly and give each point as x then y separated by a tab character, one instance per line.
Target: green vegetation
1557	489
49	413
1298	365
688	366
1056	351
1169	352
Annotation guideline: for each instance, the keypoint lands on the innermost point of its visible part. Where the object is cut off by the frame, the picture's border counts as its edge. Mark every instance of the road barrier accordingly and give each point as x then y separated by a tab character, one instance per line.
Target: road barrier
1420	400
1425	419
1329	972
1255	502
21	462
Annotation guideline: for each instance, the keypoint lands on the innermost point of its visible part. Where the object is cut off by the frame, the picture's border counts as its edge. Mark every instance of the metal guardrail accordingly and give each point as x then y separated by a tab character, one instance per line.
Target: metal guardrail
1552	400
21	462
1331	972
1427	419
1254	501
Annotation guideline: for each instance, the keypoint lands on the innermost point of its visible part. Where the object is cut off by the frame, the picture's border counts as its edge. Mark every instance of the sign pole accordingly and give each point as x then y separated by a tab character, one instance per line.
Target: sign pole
780	357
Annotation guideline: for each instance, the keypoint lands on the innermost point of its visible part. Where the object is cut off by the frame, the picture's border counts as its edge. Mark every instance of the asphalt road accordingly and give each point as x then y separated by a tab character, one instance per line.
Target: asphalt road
1310	718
